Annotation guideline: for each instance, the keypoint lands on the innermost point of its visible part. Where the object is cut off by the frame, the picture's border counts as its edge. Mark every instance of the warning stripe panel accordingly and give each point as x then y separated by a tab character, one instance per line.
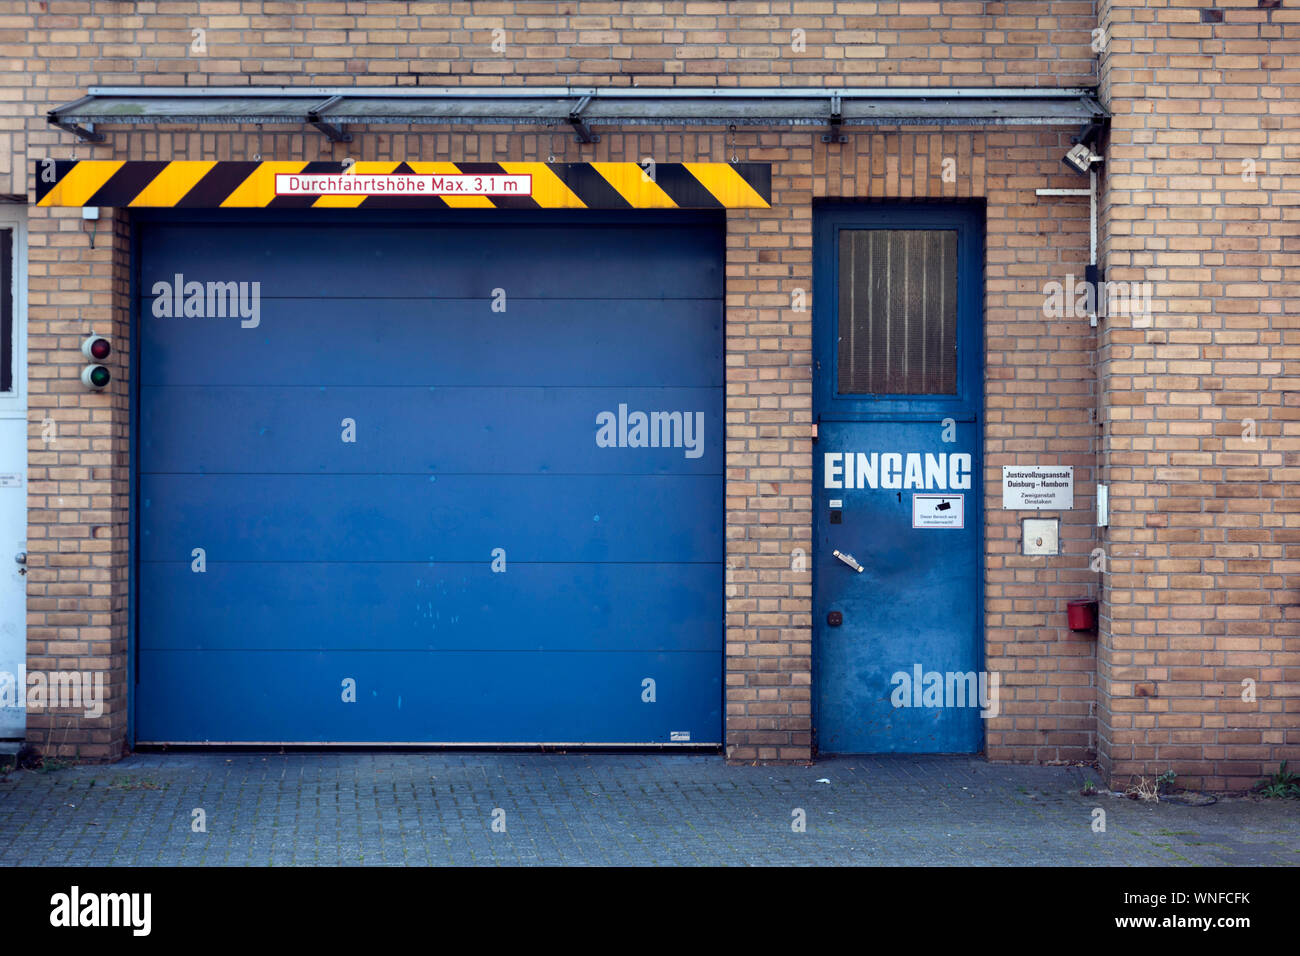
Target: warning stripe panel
447	169
176	180
403	202
205	184
499	202
218	182
549	190
129	180
258	190
636	185
359	169
727	186
71	184
301	202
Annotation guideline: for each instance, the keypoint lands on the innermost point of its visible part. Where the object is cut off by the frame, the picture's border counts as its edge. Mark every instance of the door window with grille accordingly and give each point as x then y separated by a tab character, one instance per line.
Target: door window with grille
897	312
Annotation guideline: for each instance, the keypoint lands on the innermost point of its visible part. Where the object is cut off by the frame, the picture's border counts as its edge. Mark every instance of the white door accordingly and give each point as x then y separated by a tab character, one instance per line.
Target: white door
13	469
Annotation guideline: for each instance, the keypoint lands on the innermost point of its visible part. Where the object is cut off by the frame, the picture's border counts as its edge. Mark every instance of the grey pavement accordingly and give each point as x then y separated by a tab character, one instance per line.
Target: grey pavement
322	809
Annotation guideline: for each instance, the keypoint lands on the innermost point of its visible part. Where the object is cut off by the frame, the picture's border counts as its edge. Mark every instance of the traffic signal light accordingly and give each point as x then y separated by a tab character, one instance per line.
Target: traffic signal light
96	348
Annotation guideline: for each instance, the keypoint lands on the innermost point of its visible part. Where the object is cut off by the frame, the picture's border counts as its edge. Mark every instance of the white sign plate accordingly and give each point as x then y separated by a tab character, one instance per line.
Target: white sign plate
402	184
938	511
1038	487
11	481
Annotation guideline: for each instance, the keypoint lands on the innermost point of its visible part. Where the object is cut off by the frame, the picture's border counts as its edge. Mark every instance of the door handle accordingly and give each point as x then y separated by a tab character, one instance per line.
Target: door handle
21	557
849	560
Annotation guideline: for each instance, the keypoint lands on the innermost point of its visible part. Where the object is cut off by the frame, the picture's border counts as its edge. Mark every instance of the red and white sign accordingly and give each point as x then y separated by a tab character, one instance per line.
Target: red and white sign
402	184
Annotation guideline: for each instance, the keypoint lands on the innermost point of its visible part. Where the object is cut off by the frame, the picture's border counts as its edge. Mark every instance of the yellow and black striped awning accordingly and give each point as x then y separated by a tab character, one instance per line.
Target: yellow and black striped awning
195	184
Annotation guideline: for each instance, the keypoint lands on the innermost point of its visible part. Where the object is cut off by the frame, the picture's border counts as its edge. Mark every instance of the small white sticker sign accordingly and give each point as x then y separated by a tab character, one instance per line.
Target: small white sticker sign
1038	487
679	736
11	481
938	511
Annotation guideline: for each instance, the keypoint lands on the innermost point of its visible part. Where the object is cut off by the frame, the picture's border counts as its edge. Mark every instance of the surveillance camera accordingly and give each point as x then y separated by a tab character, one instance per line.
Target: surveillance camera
1080	158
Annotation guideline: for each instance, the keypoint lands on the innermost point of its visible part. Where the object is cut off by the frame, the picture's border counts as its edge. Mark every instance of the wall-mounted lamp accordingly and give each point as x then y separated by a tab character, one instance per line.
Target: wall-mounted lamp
1081	158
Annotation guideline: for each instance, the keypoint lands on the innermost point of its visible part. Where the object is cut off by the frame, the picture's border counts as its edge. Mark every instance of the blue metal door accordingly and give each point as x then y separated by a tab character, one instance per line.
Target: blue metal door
450	481
897	523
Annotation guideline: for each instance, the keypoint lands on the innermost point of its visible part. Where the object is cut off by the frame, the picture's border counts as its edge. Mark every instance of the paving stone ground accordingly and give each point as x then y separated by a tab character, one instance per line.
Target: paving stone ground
597	809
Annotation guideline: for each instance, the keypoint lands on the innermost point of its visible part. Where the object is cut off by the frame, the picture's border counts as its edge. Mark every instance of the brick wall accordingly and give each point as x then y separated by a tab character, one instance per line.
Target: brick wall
1041	381
1205	518
77	472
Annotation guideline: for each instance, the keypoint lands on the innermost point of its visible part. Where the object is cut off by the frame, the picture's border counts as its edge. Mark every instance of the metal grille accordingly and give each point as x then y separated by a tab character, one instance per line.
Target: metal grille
898	312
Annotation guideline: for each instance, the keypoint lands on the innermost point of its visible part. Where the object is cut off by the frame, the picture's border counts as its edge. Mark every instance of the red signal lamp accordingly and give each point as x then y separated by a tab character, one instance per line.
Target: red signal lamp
96	348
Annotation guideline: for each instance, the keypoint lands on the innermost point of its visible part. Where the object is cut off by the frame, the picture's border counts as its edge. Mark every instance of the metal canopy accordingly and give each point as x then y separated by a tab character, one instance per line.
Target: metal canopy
330	109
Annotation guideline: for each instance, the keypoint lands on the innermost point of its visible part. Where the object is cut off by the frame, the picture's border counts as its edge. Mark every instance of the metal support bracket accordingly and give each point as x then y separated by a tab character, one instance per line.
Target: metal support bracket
1088	134
585	135
335	133
837	119
85	133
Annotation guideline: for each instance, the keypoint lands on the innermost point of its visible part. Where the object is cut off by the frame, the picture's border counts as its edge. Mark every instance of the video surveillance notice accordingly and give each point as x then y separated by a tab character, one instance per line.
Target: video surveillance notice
939	511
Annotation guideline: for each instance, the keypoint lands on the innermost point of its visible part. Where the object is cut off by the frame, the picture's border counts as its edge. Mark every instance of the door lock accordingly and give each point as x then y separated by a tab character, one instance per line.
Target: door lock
834	619
21	560
849	560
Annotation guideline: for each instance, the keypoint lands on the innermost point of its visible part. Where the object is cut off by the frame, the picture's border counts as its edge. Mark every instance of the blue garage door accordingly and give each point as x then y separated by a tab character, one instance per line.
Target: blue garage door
438	482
